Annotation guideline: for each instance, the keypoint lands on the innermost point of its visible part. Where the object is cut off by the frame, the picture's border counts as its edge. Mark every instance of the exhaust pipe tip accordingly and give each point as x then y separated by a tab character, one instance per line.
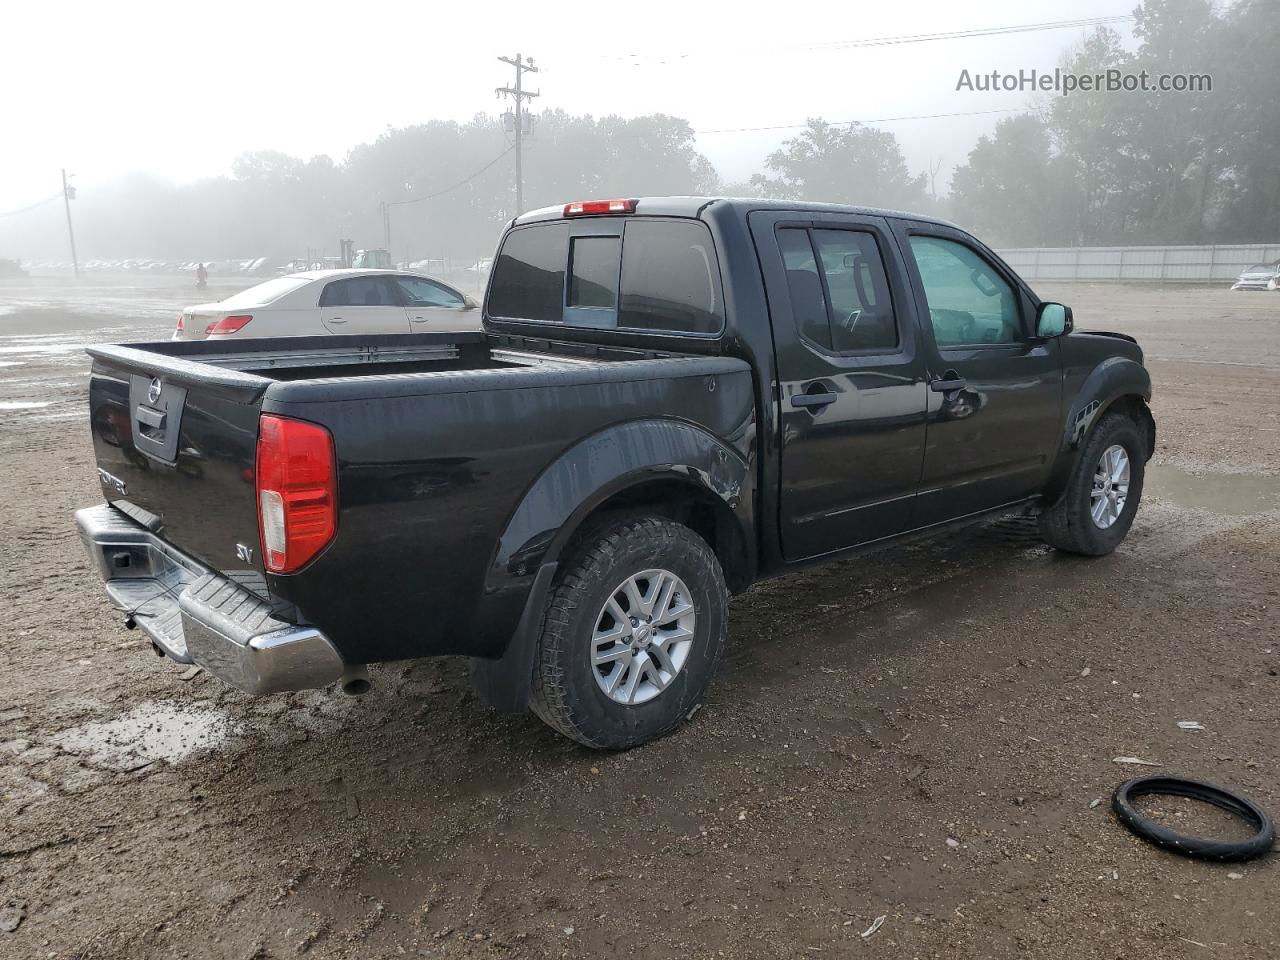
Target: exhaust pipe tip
355	680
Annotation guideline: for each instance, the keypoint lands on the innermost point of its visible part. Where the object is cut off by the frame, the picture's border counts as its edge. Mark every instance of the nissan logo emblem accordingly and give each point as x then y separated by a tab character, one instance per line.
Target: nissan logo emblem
153	391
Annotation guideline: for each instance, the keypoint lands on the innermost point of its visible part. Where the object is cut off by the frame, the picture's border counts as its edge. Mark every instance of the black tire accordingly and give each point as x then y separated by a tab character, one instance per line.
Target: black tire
565	692
1068	525
1196	847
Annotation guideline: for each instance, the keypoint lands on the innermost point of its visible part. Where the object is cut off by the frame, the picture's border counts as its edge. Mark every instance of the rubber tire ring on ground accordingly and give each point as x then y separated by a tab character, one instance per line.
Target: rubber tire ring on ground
1196	847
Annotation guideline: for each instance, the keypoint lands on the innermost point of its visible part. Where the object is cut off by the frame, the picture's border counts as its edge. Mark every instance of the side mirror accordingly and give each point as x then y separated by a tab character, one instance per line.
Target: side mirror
1053	320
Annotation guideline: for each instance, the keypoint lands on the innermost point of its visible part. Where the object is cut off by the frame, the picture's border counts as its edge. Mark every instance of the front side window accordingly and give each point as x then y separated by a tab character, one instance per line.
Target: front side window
419	292
970	304
359	292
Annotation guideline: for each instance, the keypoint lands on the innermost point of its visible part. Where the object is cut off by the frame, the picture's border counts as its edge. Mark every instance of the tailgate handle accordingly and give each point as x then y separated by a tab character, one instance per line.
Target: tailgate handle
151	418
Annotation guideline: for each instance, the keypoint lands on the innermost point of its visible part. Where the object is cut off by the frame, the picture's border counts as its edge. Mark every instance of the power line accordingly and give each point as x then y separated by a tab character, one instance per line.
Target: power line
841	123
38	203
460	183
637	58
976	32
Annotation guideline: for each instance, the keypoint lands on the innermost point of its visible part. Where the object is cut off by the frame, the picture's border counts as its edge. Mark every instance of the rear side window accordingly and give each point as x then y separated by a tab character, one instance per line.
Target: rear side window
859	309
660	275
808	303
528	278
360	292
839	290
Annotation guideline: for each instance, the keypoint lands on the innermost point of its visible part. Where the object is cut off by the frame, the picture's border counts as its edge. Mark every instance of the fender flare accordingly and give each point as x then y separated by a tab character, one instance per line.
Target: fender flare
1111	380
554	507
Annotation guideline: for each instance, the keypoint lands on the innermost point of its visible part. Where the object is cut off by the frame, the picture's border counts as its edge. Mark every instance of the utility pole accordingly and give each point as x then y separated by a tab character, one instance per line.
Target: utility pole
386	226
68	194
519	94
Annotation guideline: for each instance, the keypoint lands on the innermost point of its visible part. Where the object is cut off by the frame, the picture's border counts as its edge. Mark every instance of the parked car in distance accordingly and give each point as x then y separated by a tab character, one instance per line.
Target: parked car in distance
317	302
1260	276
670	399
12	269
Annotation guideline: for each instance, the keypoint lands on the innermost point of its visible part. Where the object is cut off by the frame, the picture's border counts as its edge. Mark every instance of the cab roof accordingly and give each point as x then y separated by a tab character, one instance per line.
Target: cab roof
696	206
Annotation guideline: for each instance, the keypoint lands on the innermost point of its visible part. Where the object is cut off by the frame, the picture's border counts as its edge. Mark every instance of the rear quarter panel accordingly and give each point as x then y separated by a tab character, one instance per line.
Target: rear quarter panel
432	470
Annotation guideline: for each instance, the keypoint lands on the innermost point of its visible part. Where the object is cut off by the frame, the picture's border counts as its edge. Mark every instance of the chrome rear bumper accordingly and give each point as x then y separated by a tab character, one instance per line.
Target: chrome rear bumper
196	615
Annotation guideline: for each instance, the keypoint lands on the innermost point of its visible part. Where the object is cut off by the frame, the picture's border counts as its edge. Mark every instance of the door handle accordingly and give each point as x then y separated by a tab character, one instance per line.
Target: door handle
336	320
812	400
948	385
417	319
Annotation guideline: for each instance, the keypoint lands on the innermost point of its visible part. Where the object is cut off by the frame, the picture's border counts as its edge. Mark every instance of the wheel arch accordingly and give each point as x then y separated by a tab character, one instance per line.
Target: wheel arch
1116	380
671	468
1118	384
685	502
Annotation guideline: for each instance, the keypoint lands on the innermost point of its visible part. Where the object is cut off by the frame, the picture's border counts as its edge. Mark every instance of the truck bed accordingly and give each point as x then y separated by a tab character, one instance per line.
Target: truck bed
438	437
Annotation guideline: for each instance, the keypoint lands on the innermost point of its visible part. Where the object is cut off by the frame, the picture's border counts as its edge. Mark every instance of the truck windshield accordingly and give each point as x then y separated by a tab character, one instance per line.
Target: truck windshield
658	276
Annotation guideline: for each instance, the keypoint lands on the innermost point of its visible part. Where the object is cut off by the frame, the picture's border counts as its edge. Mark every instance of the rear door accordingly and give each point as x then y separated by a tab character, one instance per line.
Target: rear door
851	389
365	304
995	391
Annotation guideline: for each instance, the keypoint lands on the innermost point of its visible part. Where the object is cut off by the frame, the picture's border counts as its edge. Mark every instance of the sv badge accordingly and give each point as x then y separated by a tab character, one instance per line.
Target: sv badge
244	553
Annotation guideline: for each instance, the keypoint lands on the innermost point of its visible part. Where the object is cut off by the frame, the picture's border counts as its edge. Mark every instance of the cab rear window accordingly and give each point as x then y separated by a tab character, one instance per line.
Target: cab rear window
655	275
528	277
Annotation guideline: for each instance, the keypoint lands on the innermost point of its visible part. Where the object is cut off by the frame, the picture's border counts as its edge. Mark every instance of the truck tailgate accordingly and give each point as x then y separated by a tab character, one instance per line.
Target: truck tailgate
175	444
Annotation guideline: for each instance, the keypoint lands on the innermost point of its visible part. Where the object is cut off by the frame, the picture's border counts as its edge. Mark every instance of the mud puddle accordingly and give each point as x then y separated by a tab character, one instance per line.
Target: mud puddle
147	734
1229	494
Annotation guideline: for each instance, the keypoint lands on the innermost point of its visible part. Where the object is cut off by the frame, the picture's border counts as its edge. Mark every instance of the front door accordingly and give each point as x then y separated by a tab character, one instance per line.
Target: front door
431	306
362	305
995	390
851	390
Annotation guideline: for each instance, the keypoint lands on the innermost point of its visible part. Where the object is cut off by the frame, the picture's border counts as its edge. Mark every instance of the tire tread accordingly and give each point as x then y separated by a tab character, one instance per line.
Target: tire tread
1067	524
549	697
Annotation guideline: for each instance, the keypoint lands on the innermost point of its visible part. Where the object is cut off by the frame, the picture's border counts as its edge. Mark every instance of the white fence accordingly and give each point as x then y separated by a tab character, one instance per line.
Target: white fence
1211	264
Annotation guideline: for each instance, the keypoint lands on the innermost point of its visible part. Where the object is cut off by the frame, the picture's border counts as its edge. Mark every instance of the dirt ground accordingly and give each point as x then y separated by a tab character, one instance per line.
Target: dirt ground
921	736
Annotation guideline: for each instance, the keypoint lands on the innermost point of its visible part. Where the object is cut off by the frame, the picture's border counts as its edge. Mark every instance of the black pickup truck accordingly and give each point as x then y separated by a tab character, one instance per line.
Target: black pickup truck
670	398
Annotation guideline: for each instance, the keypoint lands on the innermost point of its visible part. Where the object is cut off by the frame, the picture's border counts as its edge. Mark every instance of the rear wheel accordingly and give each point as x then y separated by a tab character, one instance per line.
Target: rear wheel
1095	513
632	634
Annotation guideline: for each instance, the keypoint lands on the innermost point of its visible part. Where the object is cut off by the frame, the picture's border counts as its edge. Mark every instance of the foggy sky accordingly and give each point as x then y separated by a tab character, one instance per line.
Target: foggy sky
179	90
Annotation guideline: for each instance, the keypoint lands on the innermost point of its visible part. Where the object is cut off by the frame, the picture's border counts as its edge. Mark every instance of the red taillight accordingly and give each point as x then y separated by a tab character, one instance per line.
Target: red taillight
296	484
182	324
584	208
227	325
